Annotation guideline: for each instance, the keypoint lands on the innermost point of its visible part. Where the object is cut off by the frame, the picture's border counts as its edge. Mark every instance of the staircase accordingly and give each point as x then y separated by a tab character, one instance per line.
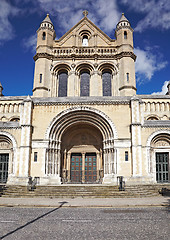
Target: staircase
86	191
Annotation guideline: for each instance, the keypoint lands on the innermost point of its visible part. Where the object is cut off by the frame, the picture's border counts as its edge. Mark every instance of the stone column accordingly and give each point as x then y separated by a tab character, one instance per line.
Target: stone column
68	166
58	157
98	165
136	137
64	165
83	167
109	176
105	161
26	135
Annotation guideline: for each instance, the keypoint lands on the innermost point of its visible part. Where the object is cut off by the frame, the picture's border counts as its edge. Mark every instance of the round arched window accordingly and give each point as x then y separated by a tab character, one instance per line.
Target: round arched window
84	82
106	82
43	36
62	85
125	35
85	40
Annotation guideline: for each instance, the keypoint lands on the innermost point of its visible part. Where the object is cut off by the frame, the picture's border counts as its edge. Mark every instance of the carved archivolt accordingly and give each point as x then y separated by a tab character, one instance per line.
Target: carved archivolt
161	140
61	66
81	114
162	135
108	65
5	142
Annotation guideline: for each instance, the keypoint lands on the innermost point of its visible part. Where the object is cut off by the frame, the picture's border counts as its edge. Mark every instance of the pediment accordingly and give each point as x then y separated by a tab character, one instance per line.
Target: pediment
96	35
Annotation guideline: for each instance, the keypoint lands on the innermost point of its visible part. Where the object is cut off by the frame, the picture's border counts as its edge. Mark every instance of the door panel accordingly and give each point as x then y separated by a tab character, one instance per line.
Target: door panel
76	167
4	159
90	167
162	167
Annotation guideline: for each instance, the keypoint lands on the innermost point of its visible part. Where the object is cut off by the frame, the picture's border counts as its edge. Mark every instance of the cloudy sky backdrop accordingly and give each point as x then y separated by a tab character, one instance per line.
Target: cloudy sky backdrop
19	20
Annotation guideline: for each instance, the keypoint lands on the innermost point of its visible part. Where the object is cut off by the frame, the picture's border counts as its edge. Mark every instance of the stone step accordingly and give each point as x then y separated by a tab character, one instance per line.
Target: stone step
82	191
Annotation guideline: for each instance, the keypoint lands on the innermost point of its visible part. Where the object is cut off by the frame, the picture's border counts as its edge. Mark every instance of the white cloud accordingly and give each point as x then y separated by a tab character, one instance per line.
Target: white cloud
147	63
6	29
66	13
164	89
104	14
30	43
157	13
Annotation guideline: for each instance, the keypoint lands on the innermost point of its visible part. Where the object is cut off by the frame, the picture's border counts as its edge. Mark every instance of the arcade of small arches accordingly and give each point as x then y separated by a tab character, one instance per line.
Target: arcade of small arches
84	72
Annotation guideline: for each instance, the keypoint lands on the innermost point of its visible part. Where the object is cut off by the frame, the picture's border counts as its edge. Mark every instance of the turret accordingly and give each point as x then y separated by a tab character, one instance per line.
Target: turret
46	33
124	32
124	39
45	39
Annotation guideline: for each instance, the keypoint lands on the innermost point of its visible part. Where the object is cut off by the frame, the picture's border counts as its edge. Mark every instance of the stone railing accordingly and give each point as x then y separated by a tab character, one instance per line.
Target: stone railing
84	51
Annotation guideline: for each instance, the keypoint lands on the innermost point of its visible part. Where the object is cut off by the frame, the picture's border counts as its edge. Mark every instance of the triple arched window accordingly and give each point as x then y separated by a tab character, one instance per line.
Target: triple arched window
84	82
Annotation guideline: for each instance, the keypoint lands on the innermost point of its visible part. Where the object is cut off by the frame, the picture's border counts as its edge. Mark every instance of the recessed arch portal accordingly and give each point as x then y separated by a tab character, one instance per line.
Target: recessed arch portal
81	153
158	147
7	155
82	122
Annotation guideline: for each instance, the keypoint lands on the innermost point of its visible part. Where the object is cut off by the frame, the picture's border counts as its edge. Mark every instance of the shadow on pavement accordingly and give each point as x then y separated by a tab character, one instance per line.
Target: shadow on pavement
167	205
32	221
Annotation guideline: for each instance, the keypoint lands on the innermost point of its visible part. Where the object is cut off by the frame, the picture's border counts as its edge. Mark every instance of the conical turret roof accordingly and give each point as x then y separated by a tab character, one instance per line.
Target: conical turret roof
47	20
123	18
124	22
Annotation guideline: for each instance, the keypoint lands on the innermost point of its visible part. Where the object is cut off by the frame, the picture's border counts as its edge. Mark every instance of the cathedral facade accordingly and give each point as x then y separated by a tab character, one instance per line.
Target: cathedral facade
85	123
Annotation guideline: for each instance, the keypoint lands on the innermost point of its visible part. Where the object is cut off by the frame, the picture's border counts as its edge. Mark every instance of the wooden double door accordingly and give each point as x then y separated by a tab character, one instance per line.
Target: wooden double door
83	168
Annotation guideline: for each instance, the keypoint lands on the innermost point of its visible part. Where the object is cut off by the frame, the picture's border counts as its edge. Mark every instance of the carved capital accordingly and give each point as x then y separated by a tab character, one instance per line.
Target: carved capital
95	65
73	65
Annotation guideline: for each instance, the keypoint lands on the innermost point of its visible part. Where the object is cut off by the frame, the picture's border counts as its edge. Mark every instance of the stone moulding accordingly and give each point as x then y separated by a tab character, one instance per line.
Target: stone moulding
156	124
8	125
80	101
78	55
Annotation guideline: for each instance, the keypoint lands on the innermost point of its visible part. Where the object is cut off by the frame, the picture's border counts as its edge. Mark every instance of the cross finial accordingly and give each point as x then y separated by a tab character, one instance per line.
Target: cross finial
85	13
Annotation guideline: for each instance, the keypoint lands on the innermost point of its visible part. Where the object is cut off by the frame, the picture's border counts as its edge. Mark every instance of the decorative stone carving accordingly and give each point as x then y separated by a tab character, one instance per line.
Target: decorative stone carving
161	143
5	145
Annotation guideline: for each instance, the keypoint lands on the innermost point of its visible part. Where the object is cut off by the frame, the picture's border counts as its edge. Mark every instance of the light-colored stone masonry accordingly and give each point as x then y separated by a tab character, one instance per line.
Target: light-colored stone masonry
104	120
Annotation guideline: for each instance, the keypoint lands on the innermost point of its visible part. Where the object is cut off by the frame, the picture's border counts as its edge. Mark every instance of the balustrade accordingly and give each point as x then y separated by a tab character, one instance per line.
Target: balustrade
84	51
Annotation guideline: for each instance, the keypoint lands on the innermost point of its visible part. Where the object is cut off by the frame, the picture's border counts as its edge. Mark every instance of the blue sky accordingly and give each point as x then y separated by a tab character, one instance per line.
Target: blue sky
20	19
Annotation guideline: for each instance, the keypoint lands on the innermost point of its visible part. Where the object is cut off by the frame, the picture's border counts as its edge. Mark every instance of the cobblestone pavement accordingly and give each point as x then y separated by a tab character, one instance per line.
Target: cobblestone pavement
85	223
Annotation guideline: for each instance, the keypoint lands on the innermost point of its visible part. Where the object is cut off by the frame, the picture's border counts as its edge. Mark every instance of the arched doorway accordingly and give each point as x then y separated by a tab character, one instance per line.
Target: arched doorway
81	154
80	134
160	148
6	152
